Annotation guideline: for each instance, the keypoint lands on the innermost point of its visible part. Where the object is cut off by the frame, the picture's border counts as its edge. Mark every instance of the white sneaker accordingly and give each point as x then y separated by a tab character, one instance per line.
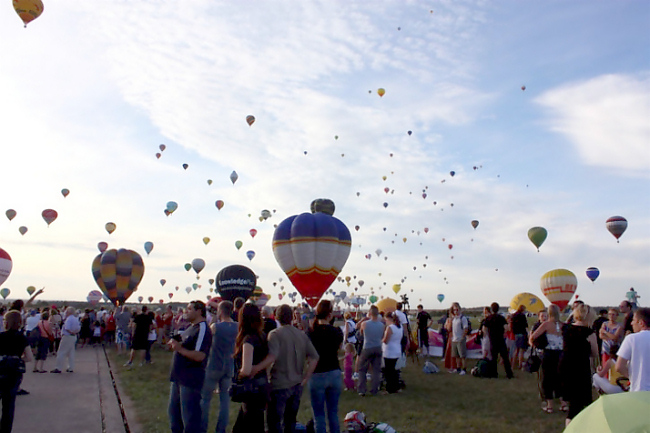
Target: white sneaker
452	370
462	373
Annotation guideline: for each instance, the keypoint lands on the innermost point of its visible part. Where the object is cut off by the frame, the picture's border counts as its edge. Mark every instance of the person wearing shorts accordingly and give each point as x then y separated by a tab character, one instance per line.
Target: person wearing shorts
520	330
459	331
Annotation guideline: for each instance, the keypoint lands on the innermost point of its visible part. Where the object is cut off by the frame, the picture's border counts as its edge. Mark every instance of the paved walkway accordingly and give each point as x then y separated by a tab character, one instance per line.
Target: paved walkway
79	402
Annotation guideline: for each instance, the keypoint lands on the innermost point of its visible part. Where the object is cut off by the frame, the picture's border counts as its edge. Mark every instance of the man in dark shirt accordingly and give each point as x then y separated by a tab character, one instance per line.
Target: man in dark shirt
598	323
495	326
424	322
188	371
626	308
520	329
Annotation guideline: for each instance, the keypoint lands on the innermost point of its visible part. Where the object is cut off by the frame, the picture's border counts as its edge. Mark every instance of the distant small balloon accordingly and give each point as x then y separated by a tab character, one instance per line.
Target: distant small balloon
65	192
110	227
252	232
219	204
11	214
233	177
171	207
209	181
49	215
238	244
185	166
22	230
206	240
102	246
162	147
381	92
410	132
148	247
250	119
250	254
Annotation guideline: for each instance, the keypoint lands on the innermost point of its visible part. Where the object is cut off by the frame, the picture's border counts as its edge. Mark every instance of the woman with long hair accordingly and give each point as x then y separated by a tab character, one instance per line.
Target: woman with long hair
551	385
391	350
575	367
250	350
326	385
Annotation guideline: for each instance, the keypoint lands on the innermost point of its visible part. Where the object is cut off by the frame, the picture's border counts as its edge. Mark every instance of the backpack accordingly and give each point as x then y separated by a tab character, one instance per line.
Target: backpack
353	333
469	325
485	368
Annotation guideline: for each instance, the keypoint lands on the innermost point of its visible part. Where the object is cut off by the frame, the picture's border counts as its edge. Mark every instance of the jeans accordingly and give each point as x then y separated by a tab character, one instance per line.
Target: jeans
325	390
184	409
222	379
147	354
283	409
370	357
8	395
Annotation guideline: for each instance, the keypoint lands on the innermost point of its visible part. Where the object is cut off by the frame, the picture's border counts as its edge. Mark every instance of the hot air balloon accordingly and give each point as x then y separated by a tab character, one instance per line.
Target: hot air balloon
266	214
250	254
537	236
5	265
474	224
206	240
381	92
592	273
4	293
373	299
235	281
158	155
140	299
558	286
150	298
171	207
616	226
233	177
185	166
198	265
387	305
219	204
11	214
209	181
162	147
28	10
188	289
148	247
31	290
110	227
22	230
118	273
312	249
452	173
102	246
238	244
250	120
252	232
323	205
94	296
163	282
441	297
530	301
65	192
49	215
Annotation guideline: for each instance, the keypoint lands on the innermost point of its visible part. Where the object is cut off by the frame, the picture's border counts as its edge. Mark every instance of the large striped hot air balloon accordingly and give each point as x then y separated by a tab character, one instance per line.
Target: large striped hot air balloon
118	273
311	248
5	265
558	286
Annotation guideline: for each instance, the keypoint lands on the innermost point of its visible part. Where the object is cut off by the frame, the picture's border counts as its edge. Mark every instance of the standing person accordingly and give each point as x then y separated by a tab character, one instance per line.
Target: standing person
325	386
634	354
495	328
142	324
371	354
424	323
221	367
350	329
56	321
403	320
550	330
520	329
611	334
111	326
122	328
152	337
86	332
442	329
69	332
633	298
598	324
44	342
626	309
294	360
188	371
13	346
348	366
251	349
486	350
391	351
459	331
159	327
168	320
575	366
238	304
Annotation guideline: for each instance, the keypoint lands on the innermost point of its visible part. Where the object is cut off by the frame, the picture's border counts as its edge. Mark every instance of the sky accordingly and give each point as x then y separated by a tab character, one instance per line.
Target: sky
91	89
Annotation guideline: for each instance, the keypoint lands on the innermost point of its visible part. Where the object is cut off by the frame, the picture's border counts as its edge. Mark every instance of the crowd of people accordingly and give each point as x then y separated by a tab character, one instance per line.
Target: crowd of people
264	358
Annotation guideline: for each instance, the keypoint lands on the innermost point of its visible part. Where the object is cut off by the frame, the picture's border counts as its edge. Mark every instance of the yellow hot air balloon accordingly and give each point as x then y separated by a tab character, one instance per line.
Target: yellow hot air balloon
206	240
387	304
558	286
381	92
397	288
28	10
532	303
110	227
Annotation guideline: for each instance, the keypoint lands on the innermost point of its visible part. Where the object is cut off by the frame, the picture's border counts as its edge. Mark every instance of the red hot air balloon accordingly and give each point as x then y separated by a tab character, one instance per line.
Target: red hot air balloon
5	265
616	226
118	273
102	246
49	215
312	249
252	232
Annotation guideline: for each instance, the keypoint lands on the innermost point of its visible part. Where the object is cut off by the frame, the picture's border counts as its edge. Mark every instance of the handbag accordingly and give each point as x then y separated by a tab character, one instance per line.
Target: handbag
541	342
11	367
247	388
533	363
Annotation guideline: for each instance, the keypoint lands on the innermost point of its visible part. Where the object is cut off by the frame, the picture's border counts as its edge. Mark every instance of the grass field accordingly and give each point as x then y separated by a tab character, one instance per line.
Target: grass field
440	402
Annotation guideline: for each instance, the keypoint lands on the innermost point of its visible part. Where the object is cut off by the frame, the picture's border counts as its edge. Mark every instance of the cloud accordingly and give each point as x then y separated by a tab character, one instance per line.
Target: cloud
607	119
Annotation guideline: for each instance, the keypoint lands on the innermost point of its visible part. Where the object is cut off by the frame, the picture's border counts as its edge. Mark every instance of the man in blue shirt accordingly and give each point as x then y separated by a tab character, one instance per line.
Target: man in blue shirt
188	371
221	367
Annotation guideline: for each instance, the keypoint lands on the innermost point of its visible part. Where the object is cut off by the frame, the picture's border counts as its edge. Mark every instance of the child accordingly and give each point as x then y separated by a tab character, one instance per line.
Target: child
348	366
97	334
600	378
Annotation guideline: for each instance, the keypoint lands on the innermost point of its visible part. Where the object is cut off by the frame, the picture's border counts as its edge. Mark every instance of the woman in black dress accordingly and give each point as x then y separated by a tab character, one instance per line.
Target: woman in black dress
13	346
575	367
